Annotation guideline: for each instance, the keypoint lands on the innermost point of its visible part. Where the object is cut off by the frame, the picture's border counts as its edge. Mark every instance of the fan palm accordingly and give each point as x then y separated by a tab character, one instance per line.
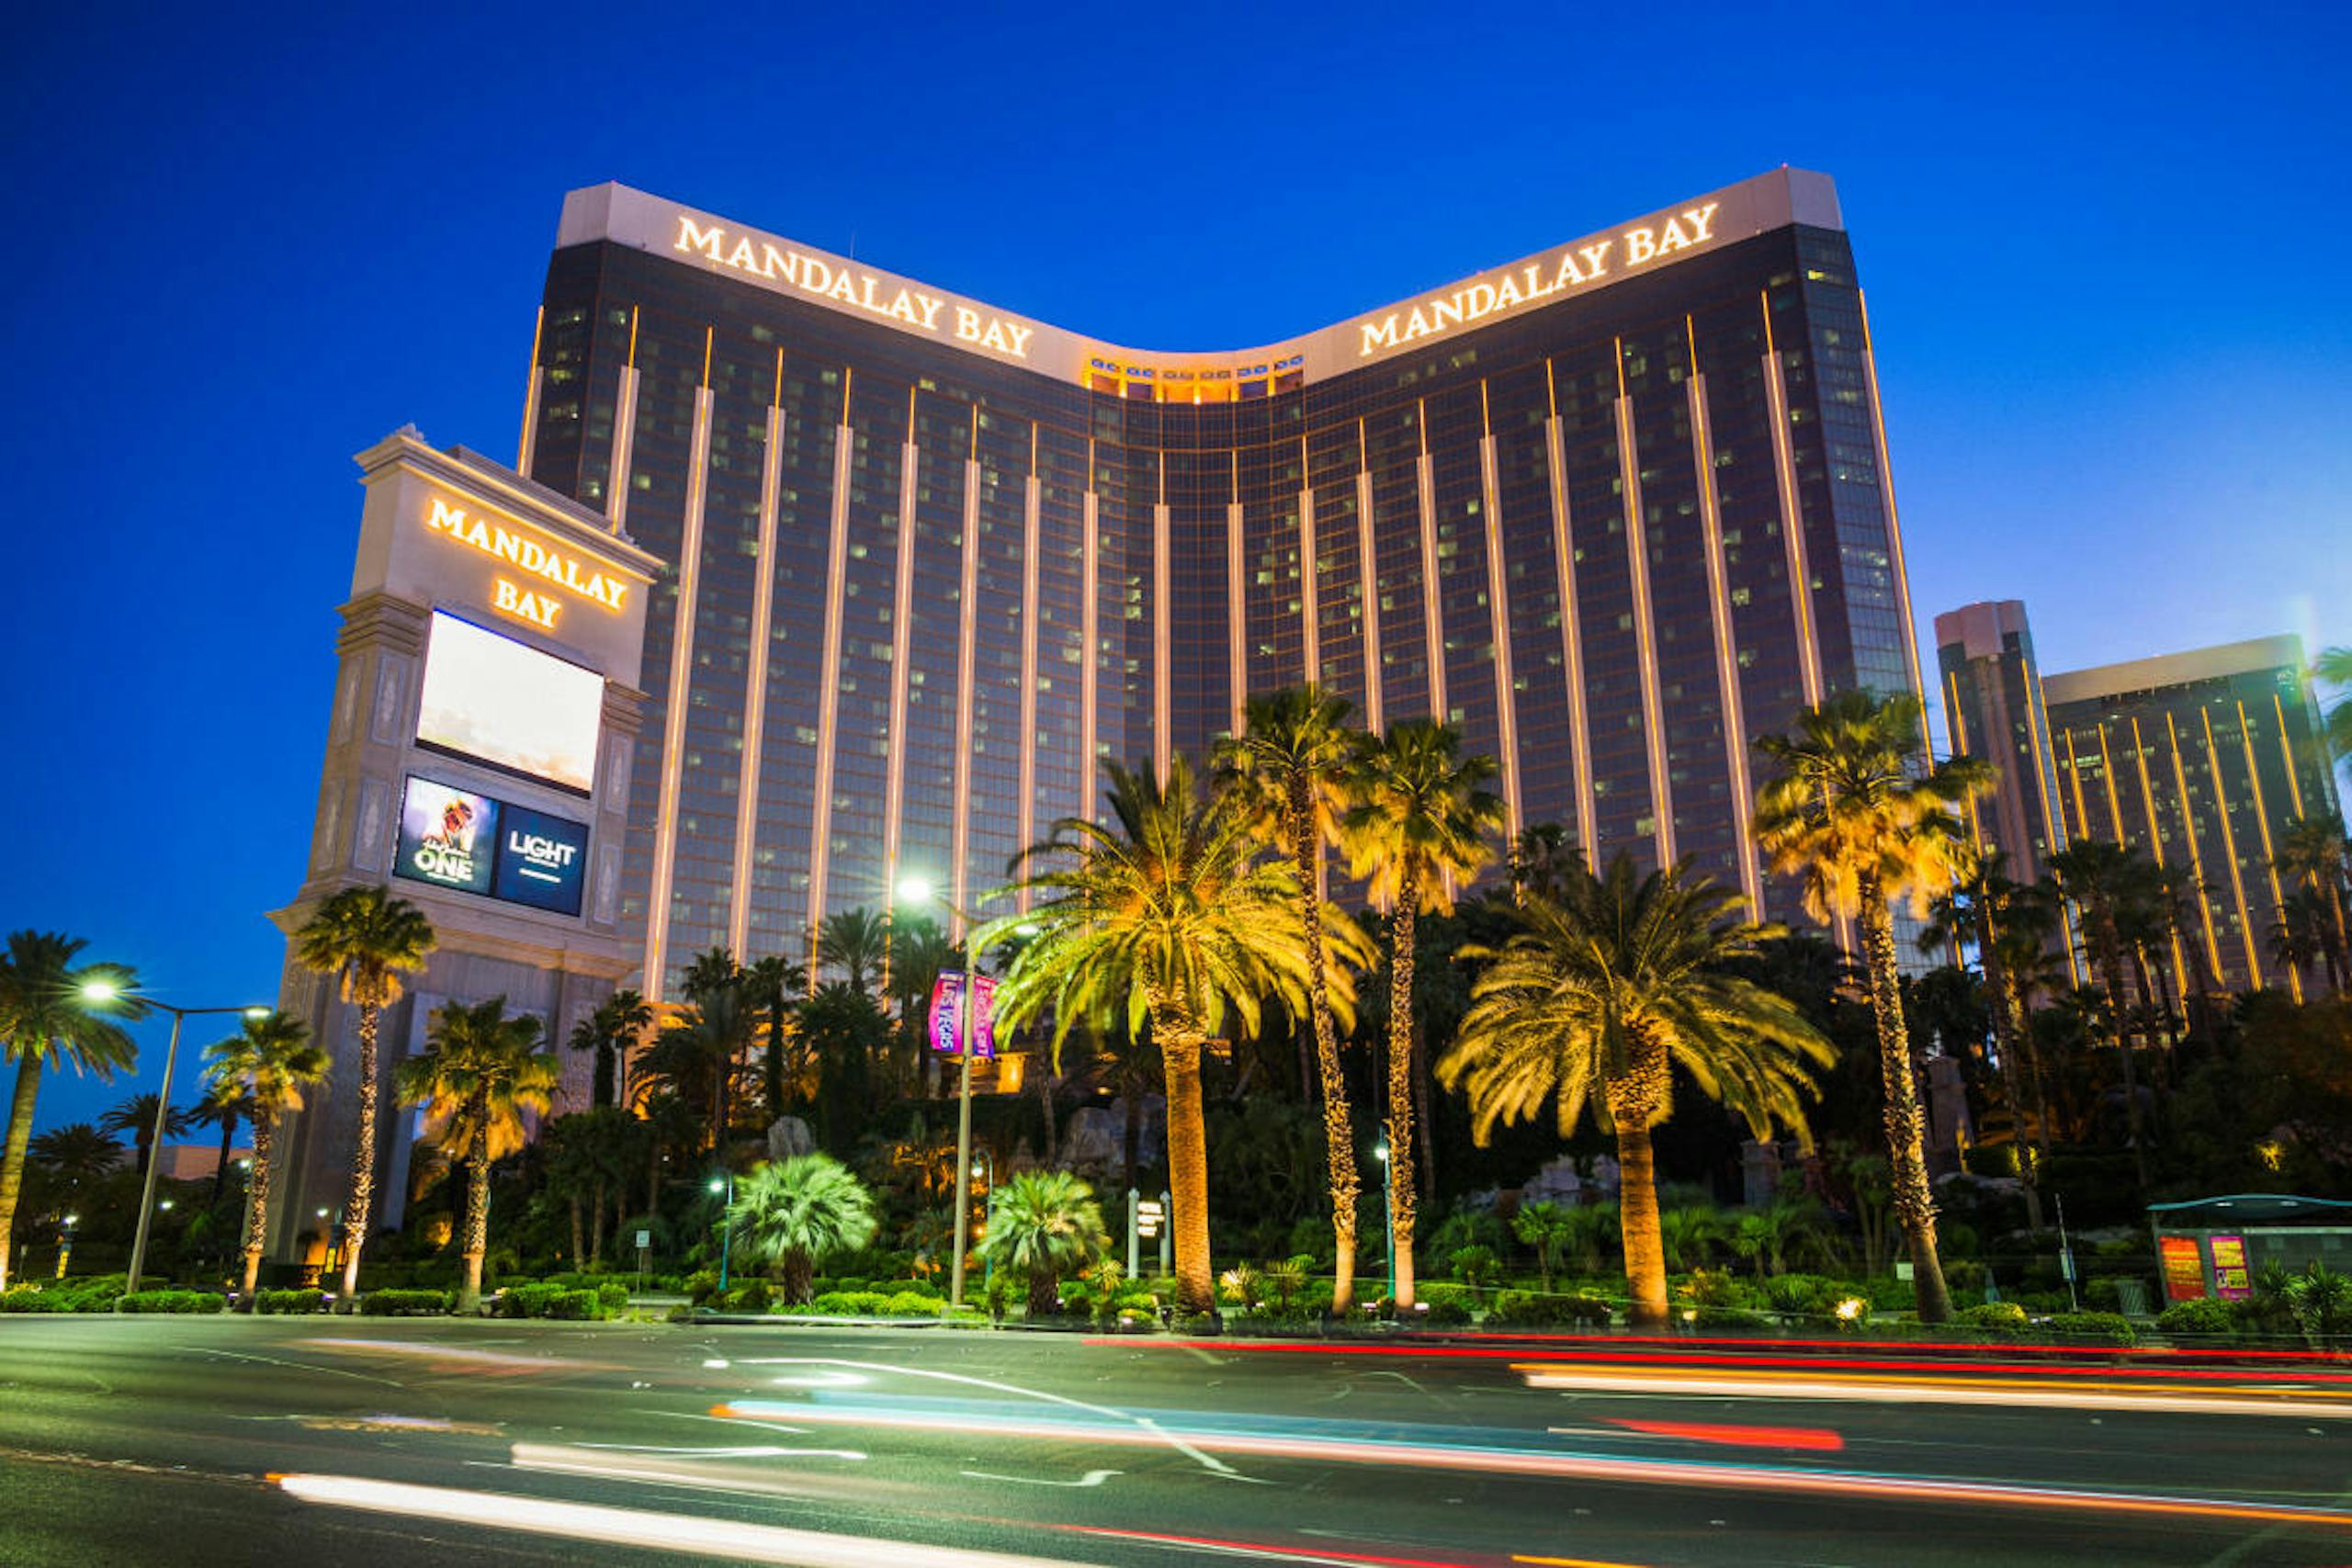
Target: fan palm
136	1117
2335	667
775	985
225	1114
2312	850
1976	910
703	1049
2101	879
1289	770
1549	1229
1046	1224
484	1074
852	942
54	1012
1848	816
77	1152
1596	998
619	1022
1767	1236
367	939
1164	914
264	1067
789	1213
1418	823
1539	859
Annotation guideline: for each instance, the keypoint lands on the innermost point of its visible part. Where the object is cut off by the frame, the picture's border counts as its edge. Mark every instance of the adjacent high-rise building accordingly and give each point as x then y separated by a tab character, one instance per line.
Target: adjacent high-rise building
2199	761
1614	509
1992	709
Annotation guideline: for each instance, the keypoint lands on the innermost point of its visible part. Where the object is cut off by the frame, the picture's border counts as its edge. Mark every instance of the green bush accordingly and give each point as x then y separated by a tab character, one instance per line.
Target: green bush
701	1285
847	1303
2003	1318
1808	1295
267	1302
752	1295
1887	1293
1445	1306
911	1304
172	1301
574	1306
525	1301
612	1298
1719	1317
2204	1317
33	1298
1532	1309
409	1303
1719	1287
2106	1327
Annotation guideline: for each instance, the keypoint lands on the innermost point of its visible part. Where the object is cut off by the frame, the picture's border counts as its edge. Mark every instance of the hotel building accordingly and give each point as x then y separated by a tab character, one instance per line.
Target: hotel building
1994	709
1614	509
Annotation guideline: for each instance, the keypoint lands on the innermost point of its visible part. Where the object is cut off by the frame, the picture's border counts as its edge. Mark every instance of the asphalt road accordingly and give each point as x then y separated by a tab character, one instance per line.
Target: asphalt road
197	1442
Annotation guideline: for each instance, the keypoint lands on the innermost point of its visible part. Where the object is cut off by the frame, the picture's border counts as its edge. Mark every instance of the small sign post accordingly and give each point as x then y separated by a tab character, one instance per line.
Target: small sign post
1134	1236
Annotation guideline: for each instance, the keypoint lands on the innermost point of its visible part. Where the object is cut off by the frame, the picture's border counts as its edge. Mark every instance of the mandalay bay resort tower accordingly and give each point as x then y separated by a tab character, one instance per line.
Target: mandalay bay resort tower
1613	510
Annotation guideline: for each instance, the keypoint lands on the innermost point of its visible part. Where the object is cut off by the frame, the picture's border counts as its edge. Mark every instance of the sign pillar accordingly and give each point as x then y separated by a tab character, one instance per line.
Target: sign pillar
1165	1267
1135	1242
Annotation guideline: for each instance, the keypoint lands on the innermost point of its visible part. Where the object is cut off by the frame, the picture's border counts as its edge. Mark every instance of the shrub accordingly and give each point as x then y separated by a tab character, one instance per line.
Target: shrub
1445	1306
2202	1316
172	1301
409	1303
1475	1267
523	1301
1533	1310
2105	1327
911	1304
701	1285
1887	1293
2321	1300
2005	1319
1810	1296
1719	1287
574	1306
1719	1317
997	1293
848	1303
267	1302
752	1295
32	1297
612	1298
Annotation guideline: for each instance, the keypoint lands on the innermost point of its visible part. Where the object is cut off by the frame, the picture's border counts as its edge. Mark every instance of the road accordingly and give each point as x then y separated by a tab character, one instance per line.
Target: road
195	1441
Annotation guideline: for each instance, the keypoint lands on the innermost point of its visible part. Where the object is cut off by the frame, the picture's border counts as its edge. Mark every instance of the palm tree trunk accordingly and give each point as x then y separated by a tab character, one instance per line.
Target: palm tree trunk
578	1233
1045	1294
774	1062
600	1093
1339	1125
1637	1215
596	1225
360	1209
2110	963
2005	1038
1188	1161
1401	927
477	1222
12	1165
257	1202
227	1146
1915	1202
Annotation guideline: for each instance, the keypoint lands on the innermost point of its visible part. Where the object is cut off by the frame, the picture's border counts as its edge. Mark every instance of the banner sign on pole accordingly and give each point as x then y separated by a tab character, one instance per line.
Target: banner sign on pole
963	1015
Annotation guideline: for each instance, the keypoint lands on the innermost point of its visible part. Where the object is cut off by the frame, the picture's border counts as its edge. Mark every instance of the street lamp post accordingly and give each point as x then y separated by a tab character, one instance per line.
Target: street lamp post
65	1242
725	1186
106	991
1388	1209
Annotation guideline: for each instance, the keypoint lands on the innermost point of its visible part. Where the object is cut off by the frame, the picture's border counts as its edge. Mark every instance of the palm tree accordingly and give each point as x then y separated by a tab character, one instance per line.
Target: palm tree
1849	817
792	1212
2312	850
775	985
671	1126
77	1152
1418	823
2099	878
619	1022
854	941
2300	939
53	1013
264	1067
1688	1237
1539	857
136	1116
1163	915
369	938
484	1073
1767	1236
703	1049
1596	998
1289	770
1977	909
1548	1228
224	1114
2335	667
1046	1224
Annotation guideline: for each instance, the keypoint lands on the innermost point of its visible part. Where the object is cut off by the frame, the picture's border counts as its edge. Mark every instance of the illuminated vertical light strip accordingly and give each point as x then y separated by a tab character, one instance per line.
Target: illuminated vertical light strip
2114	801
1163	657
1090	621
828	698
673	716
968	635
624	441
1368	568
1734	723
1236	602
1895	527
755	683
1498	621
2286	755
903	616
1784	468
2053	829
2075	777
1025	831
1309	575
1556	451
2270	853
2230	848
528	445
1432	613
2156	842
1637	566
2196	855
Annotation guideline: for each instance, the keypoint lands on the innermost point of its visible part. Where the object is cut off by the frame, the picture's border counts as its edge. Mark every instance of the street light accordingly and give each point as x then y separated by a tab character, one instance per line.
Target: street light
1388	1209
107	991
65	1241
725	1186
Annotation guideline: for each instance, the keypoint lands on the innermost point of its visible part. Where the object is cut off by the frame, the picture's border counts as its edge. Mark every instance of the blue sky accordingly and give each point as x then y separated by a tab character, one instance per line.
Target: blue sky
2103	250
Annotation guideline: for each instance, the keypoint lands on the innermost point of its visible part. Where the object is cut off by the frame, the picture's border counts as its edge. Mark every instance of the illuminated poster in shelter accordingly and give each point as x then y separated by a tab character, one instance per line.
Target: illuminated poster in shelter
2184	1267
2232	1281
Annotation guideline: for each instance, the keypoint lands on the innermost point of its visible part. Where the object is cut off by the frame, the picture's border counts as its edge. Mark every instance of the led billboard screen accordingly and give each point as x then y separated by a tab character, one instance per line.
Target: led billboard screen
490	698
446	836
541	859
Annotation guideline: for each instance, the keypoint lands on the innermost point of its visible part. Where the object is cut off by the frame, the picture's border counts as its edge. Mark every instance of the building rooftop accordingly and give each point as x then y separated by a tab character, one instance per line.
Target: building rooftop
2248	658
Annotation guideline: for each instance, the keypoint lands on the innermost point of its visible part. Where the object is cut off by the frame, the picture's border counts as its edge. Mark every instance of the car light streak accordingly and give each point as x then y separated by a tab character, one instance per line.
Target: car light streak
2302	1404
1427	1456
672	1469
1817	1439
1494	1343
642	1529
455	1356
1262	1551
